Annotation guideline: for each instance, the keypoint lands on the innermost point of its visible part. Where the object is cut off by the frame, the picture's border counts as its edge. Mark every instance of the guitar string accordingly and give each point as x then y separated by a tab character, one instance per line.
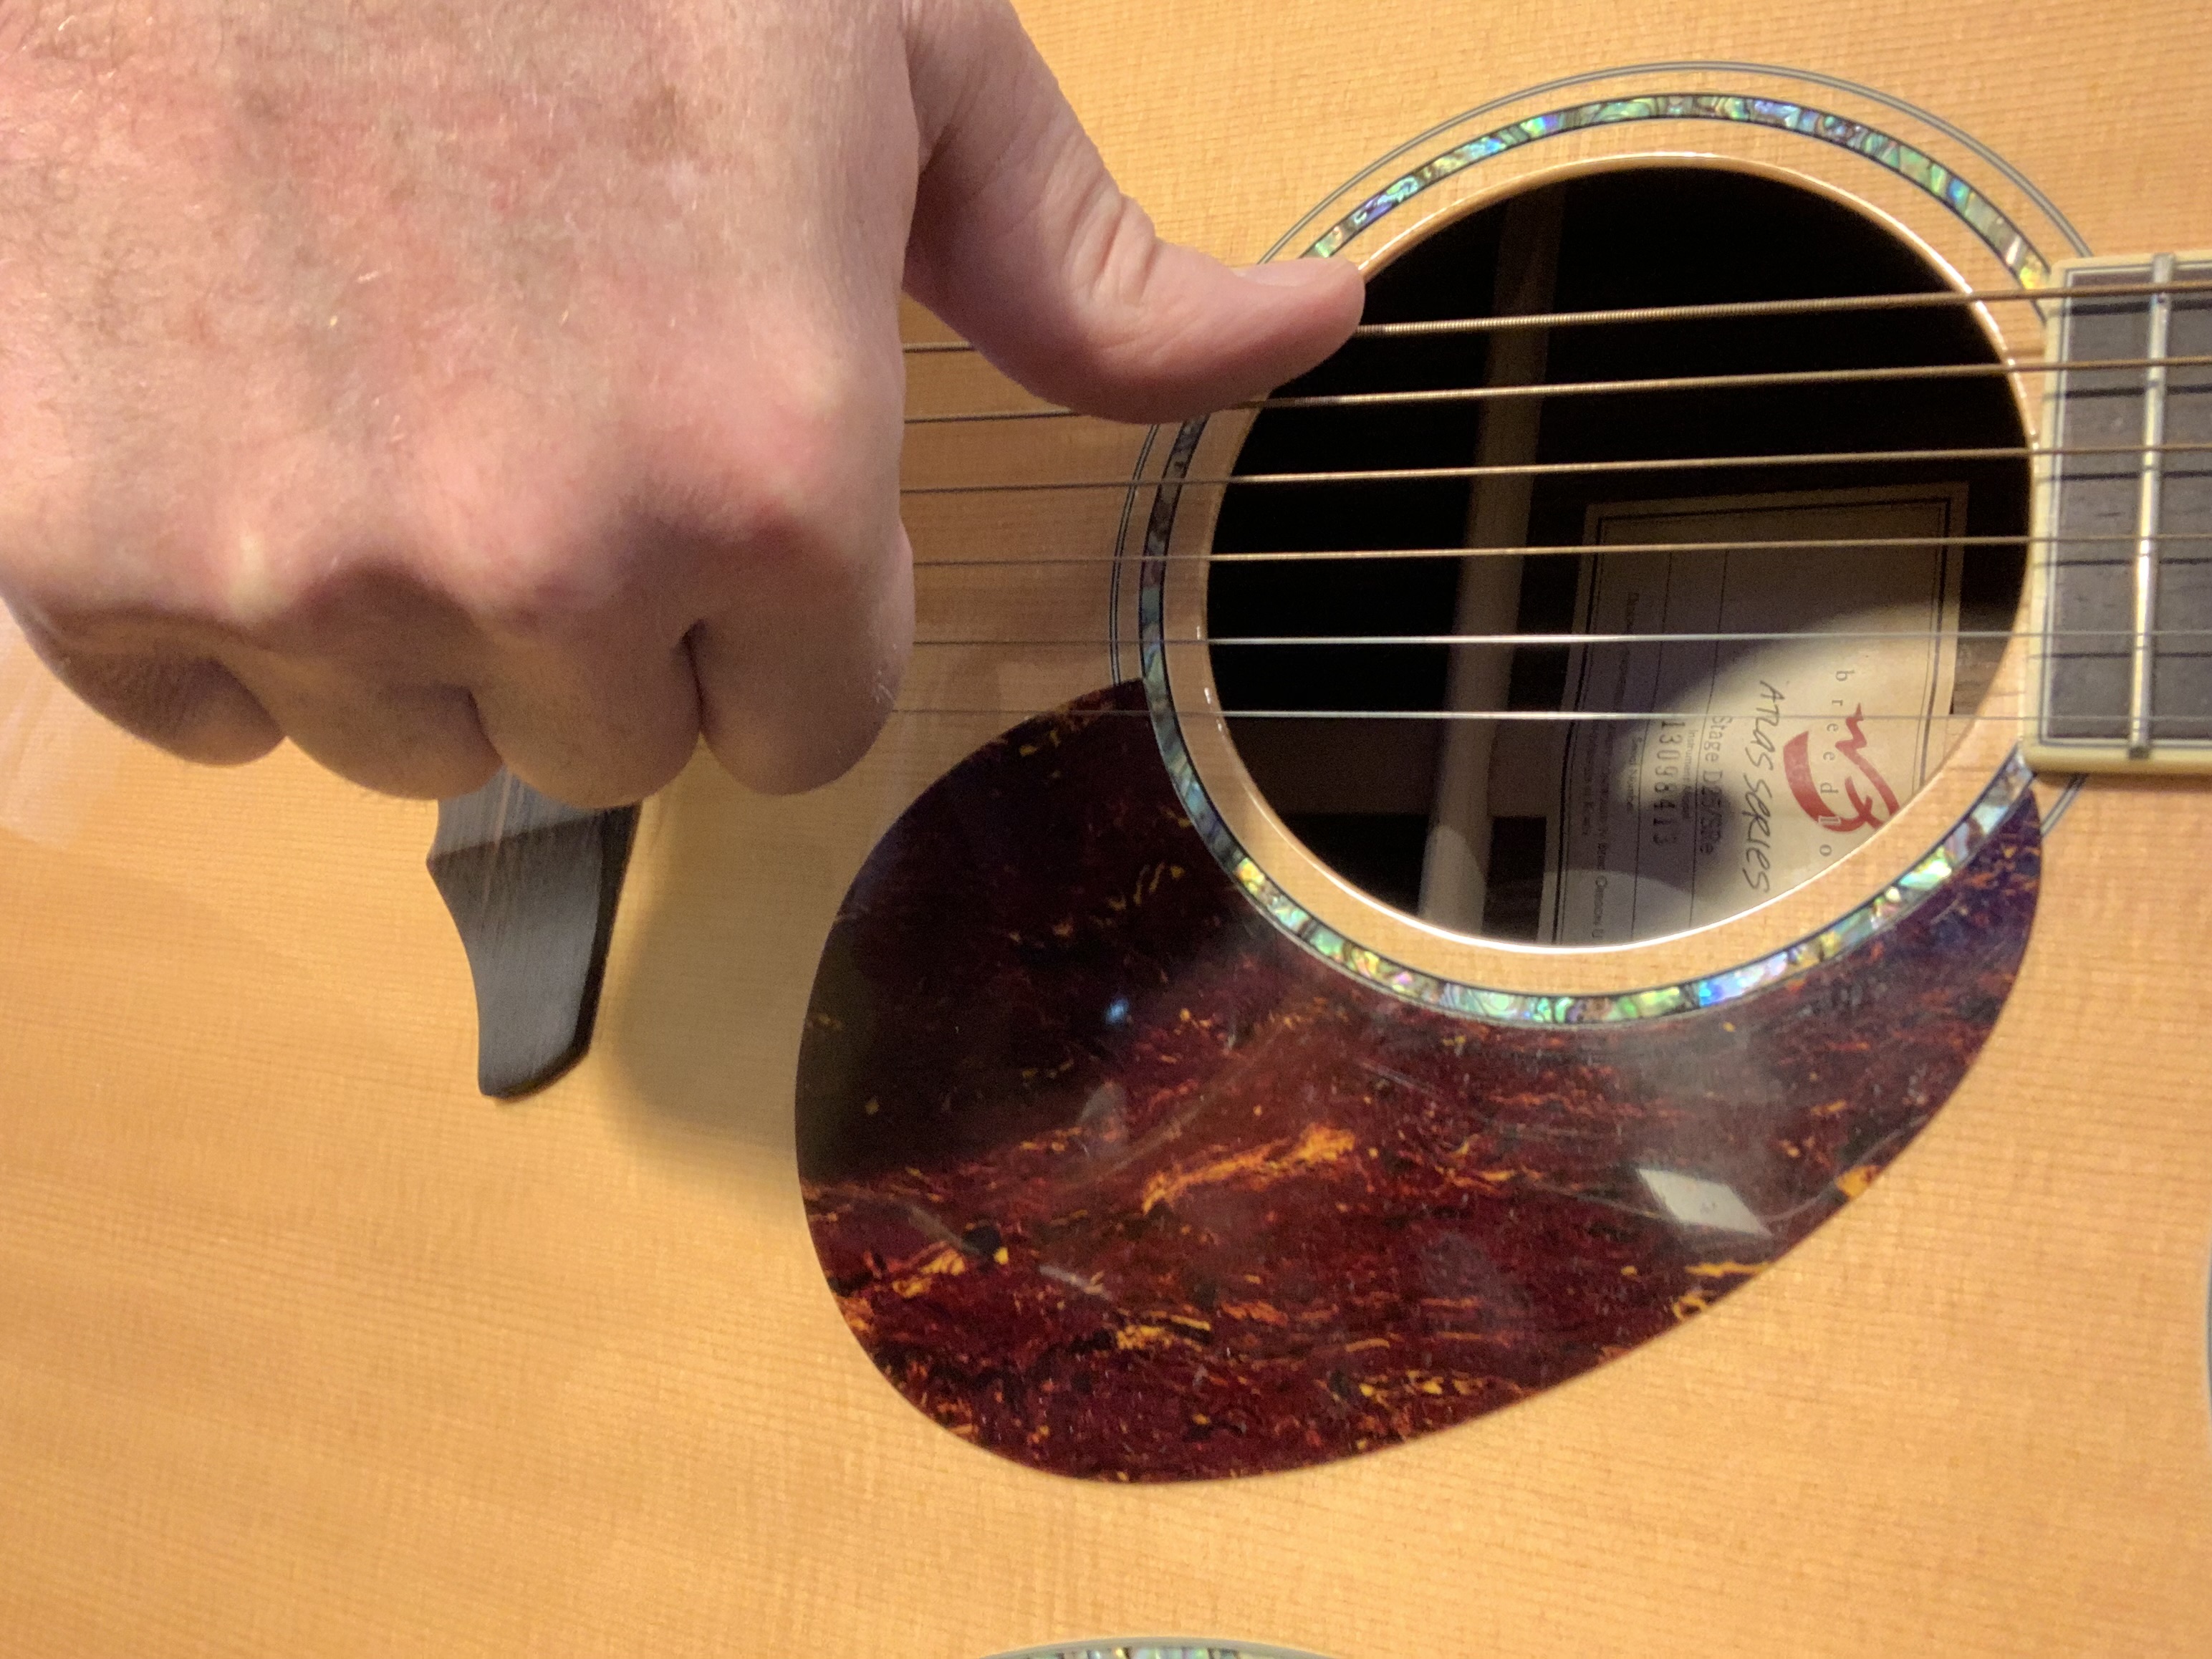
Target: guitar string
2197	726
1779	545
1737	544
2121	638
1648	386
1724	310
1568	469
1350	640
1542	389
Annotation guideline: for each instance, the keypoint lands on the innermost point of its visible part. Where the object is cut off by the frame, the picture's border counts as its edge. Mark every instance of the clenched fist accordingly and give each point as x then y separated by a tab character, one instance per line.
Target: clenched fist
437	383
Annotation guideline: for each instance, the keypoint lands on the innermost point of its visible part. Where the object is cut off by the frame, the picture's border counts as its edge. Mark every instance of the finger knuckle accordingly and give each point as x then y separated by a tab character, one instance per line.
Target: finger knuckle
814	463
548	592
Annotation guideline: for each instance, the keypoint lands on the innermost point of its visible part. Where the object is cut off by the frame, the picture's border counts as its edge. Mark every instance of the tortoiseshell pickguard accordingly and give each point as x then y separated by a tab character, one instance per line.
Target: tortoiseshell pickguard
1111	1177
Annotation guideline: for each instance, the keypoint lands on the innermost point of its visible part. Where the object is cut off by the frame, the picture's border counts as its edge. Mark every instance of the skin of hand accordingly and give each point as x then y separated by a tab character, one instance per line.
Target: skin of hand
437	383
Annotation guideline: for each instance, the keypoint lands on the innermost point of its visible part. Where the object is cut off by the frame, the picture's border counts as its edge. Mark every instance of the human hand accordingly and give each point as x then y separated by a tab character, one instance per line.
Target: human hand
442	383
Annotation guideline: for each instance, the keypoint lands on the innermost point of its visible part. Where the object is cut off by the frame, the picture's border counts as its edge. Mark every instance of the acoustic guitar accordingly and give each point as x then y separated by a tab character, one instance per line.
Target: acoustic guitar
1545	996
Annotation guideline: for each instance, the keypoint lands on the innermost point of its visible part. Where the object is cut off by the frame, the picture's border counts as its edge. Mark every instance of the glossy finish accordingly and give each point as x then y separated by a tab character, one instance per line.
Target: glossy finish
305	1349
1111	1177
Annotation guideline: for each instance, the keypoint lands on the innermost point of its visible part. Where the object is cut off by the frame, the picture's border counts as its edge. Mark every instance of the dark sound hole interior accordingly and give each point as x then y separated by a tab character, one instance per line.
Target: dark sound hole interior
1362	794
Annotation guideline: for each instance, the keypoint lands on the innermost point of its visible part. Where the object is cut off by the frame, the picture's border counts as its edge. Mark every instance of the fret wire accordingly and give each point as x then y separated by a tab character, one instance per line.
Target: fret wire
1907	371
2151	482
1828	306
1549	469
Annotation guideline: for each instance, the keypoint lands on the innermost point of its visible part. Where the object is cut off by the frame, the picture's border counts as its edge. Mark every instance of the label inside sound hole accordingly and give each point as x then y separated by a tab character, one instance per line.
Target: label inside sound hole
1772	752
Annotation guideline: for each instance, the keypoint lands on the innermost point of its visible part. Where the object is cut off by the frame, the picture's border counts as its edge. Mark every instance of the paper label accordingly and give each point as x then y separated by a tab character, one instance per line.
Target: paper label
1767	758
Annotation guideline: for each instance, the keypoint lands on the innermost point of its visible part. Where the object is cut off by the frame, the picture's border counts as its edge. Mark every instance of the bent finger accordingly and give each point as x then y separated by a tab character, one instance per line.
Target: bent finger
797	678
419	741
597	728
192	707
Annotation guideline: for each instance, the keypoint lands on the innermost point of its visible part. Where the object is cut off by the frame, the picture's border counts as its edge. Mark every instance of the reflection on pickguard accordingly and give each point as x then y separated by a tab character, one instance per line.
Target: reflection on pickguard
1110	1176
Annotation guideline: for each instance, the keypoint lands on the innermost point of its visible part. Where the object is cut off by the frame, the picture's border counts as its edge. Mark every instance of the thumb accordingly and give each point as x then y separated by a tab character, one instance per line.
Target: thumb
1022	242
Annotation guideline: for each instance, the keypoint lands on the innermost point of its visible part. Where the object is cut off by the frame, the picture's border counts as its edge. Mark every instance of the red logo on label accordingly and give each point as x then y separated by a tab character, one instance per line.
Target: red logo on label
1798	768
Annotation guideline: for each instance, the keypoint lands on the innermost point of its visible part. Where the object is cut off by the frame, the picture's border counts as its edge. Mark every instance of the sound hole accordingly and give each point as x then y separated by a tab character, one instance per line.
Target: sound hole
1712	708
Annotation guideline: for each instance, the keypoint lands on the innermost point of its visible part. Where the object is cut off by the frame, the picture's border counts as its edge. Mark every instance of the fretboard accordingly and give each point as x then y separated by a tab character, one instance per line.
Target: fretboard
2121	646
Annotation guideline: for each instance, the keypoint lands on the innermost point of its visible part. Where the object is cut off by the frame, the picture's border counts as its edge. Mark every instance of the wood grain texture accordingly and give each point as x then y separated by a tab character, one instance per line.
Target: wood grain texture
305	1348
